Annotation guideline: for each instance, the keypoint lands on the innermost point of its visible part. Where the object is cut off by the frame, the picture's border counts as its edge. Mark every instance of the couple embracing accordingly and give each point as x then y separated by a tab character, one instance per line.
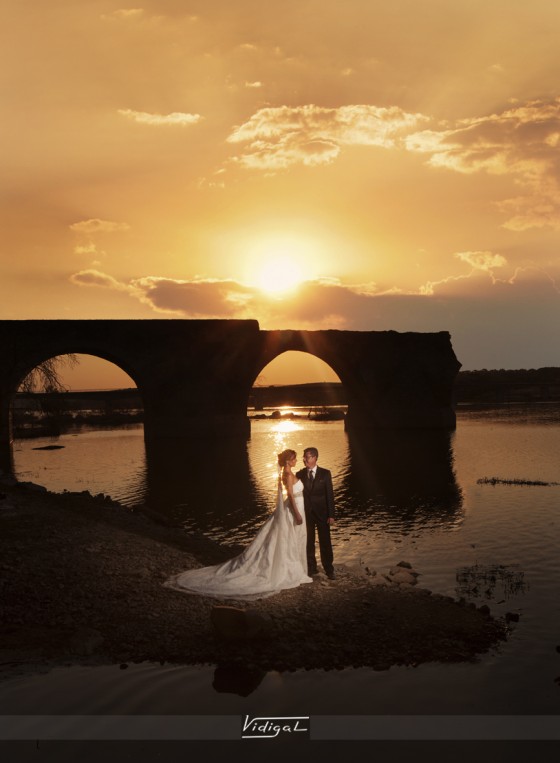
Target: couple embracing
318	501
282	554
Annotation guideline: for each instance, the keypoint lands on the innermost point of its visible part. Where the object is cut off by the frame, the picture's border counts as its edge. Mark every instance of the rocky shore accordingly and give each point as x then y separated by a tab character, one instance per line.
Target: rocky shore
81	582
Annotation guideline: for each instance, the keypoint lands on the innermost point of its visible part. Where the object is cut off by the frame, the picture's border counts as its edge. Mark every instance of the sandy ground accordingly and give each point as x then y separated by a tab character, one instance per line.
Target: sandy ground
81	583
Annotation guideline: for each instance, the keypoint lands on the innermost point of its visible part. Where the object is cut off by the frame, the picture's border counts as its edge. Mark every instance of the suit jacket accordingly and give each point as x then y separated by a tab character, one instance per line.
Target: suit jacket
318	498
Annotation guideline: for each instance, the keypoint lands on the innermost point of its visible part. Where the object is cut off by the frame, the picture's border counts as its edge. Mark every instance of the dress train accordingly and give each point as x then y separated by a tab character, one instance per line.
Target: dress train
274	560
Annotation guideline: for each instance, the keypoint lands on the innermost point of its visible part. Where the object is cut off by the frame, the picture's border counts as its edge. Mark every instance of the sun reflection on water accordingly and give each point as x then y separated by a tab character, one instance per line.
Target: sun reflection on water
284	427
281	438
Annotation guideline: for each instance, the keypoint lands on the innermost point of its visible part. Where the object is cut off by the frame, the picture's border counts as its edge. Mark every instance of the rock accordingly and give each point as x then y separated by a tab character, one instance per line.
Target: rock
380	580
234	623
8	480
512	617
404	578
406	565
485	609
398	569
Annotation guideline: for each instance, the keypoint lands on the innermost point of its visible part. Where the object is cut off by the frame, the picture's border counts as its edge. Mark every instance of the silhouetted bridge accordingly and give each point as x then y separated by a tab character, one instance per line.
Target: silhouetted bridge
195	376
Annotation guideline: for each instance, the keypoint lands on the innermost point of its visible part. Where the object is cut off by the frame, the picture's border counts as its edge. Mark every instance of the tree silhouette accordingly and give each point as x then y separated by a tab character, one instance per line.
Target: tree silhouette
46	377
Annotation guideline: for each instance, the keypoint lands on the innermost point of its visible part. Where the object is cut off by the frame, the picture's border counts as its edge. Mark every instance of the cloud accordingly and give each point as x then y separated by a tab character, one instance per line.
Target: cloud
127	13
89	248
485	262
98	226
313	301
277	138
254	85
491	321
482	260
522	141
97	278
123	14
175	118
200	298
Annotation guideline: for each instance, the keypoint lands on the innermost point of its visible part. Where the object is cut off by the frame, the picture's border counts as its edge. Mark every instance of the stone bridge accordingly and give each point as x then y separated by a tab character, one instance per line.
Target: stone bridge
195	376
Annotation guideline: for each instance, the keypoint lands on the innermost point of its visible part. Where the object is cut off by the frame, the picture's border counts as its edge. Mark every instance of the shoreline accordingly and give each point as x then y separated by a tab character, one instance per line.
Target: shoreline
82	584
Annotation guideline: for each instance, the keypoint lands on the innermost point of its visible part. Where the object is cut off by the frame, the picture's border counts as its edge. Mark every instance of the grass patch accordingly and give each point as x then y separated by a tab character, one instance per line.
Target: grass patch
499	481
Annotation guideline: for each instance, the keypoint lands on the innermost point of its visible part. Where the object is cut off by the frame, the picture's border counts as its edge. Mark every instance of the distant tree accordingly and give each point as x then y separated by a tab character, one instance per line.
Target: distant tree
46	377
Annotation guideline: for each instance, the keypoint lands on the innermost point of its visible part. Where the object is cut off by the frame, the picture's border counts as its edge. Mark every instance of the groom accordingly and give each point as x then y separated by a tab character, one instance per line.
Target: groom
318	500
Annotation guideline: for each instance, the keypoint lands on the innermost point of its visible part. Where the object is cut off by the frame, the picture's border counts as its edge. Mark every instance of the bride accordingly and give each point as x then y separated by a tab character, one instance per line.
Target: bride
274	560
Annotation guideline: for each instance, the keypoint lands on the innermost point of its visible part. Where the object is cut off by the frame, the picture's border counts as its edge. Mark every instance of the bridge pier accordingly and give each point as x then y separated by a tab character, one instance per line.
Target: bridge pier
392	380
6	451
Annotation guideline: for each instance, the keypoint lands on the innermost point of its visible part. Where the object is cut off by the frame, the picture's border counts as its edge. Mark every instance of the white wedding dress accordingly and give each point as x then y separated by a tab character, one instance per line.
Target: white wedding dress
274	560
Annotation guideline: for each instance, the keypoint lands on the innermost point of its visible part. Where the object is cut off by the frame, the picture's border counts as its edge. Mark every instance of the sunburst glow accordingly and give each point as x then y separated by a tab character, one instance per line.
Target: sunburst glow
278	264
286	426
279	275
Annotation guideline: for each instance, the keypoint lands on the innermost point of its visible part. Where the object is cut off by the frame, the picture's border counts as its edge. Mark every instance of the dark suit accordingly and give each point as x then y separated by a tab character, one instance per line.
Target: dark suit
318	497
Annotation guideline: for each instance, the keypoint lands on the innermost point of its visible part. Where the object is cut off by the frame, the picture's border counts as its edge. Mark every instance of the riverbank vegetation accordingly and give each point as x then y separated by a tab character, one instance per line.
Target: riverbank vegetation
54	411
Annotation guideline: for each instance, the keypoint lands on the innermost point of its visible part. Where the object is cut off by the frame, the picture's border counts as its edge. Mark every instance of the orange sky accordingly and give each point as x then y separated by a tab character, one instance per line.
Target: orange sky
357	165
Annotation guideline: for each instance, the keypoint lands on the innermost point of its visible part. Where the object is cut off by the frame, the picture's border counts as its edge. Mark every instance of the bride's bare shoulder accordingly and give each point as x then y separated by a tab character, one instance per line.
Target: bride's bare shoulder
289	478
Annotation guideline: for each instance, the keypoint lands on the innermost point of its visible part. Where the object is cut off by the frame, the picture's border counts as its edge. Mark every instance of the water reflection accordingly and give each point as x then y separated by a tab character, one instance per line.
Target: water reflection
207	481
405	476
400	480
236	678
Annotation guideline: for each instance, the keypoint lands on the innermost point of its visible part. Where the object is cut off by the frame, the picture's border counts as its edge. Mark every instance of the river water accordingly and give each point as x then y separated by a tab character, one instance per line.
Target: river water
415	498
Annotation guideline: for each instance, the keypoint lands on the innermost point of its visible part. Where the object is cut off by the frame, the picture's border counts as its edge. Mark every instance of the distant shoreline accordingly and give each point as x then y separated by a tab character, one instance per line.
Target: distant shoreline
55	411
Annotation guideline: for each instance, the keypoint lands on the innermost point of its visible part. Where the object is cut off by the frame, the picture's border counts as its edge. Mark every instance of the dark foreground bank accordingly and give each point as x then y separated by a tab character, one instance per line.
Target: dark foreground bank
81	582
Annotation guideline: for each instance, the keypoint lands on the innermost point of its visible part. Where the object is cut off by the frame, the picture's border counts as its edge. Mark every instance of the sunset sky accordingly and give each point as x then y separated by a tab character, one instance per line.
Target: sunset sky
348	164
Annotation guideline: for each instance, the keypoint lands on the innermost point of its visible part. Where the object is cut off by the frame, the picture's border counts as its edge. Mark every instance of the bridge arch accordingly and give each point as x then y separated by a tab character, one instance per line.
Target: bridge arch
87	459
195	376
392	380
299	377
32	360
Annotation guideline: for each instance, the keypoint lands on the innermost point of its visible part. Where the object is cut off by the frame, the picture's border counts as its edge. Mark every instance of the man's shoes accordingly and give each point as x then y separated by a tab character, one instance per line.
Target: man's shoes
331	575
312	573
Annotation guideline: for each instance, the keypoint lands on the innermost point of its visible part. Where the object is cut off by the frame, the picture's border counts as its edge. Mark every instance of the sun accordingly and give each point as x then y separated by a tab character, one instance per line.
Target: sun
278	264
279	275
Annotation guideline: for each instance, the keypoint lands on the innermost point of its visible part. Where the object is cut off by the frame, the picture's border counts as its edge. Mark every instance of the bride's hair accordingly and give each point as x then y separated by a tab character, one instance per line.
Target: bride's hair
286	456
